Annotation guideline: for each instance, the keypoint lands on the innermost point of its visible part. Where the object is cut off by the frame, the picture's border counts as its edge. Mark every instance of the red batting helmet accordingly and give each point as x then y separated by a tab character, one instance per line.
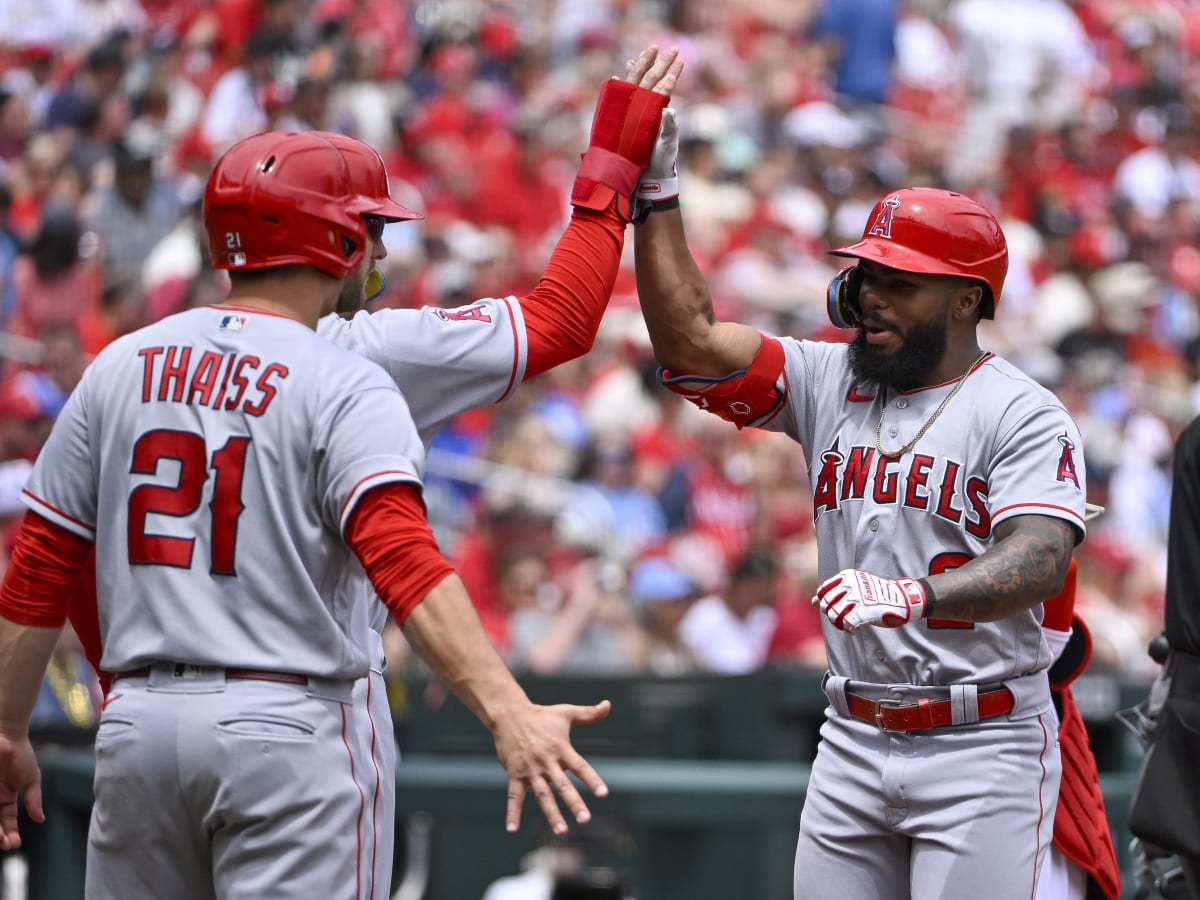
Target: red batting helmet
369	176
925	230
285	198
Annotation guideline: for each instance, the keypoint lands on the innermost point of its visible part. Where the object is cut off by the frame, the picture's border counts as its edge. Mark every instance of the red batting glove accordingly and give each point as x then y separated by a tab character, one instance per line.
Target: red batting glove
624	132
852	598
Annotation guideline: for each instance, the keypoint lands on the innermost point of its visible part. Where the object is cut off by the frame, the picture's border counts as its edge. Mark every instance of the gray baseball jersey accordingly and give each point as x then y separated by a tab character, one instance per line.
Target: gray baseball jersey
446	361
897	815
1003	447
229	446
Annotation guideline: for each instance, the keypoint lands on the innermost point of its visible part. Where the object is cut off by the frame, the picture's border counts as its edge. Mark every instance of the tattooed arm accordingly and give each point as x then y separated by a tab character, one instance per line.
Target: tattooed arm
1025	567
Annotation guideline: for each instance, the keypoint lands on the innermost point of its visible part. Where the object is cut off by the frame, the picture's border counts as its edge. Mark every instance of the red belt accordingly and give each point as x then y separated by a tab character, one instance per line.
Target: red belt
252	674
919	715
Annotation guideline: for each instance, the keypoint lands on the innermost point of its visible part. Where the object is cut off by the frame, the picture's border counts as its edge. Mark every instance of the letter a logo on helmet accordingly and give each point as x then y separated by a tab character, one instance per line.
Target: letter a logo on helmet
927	230
882	226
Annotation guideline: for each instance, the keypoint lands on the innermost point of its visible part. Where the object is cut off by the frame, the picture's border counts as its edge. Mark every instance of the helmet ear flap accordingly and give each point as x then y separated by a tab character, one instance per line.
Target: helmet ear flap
845	310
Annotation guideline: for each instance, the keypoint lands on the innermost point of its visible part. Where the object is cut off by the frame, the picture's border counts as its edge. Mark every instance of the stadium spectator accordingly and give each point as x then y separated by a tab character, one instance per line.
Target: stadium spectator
730	632
133	213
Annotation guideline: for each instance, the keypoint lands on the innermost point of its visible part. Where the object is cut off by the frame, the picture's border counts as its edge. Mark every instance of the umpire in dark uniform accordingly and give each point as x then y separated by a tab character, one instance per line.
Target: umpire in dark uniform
1165	811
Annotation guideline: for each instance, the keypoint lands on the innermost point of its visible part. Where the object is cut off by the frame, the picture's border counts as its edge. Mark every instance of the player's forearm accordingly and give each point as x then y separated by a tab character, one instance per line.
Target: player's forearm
563	312
24	653
1026	567
677	305
445	632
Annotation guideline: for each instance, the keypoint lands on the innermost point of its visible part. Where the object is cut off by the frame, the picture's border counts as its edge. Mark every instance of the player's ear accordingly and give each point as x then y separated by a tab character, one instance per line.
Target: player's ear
968	301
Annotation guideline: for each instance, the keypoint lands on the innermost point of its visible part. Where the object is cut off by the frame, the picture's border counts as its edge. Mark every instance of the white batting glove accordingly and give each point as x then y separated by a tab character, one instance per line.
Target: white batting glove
659	181
852	599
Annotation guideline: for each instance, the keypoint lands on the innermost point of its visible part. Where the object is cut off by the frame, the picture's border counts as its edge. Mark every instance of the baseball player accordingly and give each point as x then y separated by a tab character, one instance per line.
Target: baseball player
948	494
229	464
494	344
497	343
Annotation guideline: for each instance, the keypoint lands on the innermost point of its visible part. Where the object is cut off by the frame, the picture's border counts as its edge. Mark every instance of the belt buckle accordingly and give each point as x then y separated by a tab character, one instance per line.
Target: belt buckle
879	705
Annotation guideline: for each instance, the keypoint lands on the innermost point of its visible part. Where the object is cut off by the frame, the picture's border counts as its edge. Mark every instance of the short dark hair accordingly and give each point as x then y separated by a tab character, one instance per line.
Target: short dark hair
756	563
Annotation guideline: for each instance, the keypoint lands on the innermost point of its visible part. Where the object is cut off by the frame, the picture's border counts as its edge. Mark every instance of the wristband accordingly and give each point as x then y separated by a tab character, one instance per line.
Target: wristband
656	190
930	598
672	203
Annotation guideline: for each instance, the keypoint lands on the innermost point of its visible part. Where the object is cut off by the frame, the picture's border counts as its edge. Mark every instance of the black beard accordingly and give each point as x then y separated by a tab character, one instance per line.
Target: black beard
921	351
351	298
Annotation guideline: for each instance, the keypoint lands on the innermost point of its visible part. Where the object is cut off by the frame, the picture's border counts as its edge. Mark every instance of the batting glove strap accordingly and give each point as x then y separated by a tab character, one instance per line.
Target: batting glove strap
624	131
853	598
658	186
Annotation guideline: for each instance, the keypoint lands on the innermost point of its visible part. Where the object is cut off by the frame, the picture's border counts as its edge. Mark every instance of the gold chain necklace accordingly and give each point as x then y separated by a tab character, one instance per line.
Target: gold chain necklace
928	422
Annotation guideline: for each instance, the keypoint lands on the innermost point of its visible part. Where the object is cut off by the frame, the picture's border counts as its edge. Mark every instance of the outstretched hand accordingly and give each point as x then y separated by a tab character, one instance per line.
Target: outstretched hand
655	71
19	774
624	129
534	746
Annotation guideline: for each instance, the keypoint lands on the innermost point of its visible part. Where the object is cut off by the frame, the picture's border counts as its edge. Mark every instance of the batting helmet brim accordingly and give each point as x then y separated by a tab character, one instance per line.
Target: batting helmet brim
896	256
394	212
905	259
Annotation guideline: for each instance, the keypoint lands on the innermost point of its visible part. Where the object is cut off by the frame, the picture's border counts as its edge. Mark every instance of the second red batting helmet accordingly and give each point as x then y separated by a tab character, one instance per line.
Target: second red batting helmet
285	198
926	230
369	175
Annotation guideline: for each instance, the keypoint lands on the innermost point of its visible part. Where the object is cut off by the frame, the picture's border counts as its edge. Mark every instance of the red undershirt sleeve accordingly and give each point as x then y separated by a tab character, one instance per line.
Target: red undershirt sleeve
82	611
45	563
1058	610
563	312
390	534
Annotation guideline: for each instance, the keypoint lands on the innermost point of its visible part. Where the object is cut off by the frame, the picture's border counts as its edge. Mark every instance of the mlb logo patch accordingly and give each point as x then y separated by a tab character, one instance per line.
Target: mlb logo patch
236	259
232	322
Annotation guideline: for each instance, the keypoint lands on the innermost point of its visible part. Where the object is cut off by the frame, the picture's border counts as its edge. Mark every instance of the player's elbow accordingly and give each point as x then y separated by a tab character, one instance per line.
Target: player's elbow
685	343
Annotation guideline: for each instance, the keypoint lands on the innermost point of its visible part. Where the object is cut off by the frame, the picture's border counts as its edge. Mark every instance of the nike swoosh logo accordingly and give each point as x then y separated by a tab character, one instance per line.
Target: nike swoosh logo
855	397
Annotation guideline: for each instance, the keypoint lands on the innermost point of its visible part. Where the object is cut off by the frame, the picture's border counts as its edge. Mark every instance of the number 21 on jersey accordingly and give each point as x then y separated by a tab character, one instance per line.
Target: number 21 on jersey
184	497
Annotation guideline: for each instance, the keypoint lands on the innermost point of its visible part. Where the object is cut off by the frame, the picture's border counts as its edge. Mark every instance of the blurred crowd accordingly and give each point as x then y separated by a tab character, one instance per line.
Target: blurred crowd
602	524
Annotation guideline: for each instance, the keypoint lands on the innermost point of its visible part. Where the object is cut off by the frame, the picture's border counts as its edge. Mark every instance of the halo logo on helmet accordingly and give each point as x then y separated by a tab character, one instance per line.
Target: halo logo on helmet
882	226
928	231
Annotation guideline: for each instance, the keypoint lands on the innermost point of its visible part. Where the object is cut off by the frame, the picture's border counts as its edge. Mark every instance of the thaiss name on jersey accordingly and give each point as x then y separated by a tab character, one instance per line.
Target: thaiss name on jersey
216	380
923	482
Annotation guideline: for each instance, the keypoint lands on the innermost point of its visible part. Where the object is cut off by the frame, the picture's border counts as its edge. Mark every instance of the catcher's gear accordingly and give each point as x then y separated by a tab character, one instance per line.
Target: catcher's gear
853	598
624	131
925	230
658	187
1080	823
285	198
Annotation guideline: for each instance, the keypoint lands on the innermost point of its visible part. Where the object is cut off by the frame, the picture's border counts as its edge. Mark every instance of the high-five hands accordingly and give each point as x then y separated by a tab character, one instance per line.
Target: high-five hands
655	71
624	131
853	598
